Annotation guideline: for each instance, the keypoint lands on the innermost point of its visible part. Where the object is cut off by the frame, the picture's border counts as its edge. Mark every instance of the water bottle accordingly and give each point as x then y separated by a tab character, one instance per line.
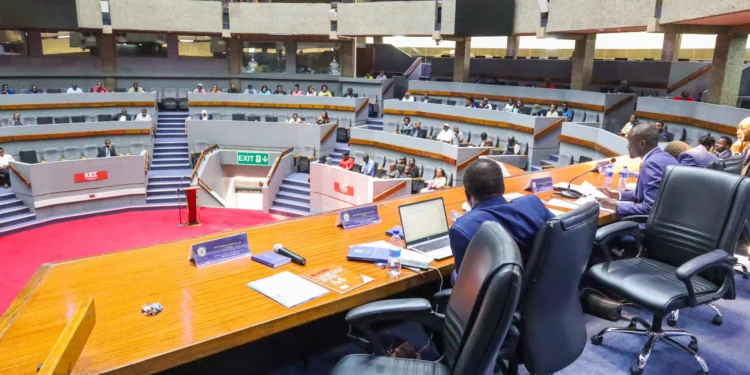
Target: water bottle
394	256
608	174
623	183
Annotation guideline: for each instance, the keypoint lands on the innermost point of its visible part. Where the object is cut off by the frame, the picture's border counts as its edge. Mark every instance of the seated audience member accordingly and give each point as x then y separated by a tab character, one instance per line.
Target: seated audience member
407	127
311	91
35	90
264	90
74	89
631	123
233	89
512	147
199	89
743	138
346	162
547	84
567	112
99	88
723	147
485	104
663	133
407	97
250	90
215	90
510	105
700	156
107	151
323	119
484	187
16	120
381	76
296	91
438	182
413	170
552	111
368	166
5	90
204	115
708	142
485	140
458	136
624	88
122	116
136	88
295	119
469	103
5	160
643	143
401	163
519	107
407	173
425	98
279	90
445	135
349	93
392	171
418	131
143	116
675	148
324	91
685	95
368	76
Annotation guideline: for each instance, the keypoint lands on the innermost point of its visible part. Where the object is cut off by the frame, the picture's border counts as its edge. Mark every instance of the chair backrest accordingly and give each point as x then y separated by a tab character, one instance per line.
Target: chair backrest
584	159
685	222
77	119
72	153
46	120
390	127
358	155
272	119
564	159
379	159
170	93
448	178
481	307
120	90
476	138
54	91
308	150
584	117
553	330
450	102
28	156
62	120
419	168
253	118
732	164
90	151
199	146
51	154
428	173
238	117
104	118
214	116
136	148
388	162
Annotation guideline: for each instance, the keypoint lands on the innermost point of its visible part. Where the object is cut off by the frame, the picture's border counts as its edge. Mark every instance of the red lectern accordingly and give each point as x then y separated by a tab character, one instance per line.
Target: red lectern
193	213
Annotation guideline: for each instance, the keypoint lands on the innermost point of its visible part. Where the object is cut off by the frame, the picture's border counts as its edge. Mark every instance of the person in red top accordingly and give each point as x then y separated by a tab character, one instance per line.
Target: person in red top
547	84
684	96
346	162
99	88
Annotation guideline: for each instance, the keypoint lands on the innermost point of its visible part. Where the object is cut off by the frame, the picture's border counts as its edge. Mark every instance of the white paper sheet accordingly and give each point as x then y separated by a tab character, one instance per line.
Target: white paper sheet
582	201
562	204
288	289
511	196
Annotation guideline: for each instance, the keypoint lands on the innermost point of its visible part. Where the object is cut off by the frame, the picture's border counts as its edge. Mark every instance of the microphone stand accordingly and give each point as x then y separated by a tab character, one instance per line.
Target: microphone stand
572	194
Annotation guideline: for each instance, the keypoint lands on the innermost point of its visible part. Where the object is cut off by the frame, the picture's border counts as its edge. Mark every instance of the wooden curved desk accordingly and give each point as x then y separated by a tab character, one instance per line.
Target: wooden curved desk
206	310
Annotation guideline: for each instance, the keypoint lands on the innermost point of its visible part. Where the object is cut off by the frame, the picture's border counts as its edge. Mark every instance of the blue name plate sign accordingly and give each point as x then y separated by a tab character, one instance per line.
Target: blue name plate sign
541	184
220	250
358	217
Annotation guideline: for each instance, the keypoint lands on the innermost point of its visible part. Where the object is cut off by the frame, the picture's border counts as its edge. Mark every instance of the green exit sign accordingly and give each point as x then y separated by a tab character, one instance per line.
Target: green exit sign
253	158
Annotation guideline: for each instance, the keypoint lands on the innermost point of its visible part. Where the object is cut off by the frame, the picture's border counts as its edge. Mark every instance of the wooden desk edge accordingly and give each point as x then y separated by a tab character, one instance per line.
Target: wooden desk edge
23	297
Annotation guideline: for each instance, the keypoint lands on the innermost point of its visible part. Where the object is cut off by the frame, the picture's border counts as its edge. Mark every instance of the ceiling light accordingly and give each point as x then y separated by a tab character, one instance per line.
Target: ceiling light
186	41
63	37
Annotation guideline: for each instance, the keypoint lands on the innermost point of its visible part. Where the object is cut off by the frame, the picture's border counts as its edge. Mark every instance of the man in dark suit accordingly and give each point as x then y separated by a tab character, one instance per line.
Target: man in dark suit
122	116
107	151
484	188
418	131
723	147
664	135
643	143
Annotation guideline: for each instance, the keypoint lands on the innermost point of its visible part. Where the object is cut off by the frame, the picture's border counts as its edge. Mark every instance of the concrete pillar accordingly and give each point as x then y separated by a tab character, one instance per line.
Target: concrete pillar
173	46
462	61
291	57
34	43
670	49
511	47
726	71
583	63
234	55
377	40
107	47
348	61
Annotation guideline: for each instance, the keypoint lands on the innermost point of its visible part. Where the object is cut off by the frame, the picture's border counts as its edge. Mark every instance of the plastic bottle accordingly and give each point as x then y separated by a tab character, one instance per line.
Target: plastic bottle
394	257
623	183
608	174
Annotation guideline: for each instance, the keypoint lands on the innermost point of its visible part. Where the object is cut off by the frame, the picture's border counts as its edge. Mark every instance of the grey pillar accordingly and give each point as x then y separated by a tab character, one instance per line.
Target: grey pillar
377	40
462	61
583	63
348	58
291	57
234	55
108	54
173	46
670	49
34	43
726	71
511	47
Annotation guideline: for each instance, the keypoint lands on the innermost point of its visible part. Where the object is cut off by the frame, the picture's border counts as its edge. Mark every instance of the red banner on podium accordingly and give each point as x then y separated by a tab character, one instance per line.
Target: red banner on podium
90	176
193	211
344	189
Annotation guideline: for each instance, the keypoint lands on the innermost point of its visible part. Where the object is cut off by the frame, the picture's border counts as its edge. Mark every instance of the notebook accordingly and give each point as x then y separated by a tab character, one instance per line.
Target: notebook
337	278
271	259
378	252
288	289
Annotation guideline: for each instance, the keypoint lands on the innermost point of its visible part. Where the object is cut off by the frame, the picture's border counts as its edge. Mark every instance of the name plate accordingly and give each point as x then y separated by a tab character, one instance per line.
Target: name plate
358	217
220	250
541	184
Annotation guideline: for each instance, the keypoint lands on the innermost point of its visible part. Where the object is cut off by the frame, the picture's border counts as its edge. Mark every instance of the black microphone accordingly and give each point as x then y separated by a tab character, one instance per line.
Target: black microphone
572	194
281	250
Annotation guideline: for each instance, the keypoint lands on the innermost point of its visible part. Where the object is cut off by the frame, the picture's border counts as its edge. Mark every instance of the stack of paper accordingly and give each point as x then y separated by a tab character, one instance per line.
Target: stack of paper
288	289
511	196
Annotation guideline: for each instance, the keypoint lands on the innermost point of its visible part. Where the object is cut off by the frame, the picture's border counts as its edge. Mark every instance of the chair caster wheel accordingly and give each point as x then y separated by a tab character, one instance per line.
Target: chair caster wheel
634	370
693	346
597	340
717	320
632	325
671	322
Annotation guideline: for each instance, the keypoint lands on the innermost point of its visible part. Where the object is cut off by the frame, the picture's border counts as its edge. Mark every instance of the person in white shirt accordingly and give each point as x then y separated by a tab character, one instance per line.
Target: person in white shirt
445	135
143	116
552	112
122	116
250	90
135	88
509	105
381	76
4	169
75	89
311	91
199	89
295	119
408	97
204	115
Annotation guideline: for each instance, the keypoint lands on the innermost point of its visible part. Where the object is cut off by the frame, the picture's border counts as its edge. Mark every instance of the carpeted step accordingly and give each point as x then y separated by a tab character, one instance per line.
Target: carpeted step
162	167
8	203
164	199
16	219
13	211
291	196
301	190
294	183
163	161
295	205
287	211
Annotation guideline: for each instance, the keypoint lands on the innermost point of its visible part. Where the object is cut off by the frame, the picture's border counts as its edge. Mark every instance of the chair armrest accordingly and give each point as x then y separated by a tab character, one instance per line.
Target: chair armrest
717	258
641	219
608	236
440	299
548	166
297	155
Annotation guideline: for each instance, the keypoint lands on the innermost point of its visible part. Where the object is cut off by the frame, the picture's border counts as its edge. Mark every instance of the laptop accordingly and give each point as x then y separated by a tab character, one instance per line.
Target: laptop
425	228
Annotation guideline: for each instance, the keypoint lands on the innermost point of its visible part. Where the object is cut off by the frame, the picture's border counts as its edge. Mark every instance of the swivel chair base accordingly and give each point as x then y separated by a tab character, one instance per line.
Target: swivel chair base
654	333
717	319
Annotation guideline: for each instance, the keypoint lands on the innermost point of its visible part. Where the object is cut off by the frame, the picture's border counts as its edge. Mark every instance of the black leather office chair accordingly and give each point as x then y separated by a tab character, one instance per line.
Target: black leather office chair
104	118
686	258
46	120
238	117
584	159
732	164
77	119
477	318
28	156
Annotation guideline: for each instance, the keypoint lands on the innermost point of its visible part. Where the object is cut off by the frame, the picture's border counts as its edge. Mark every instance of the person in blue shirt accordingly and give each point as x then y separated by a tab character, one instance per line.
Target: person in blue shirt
368	166
6	90
470	103
567	112
484	188
667	136
264	90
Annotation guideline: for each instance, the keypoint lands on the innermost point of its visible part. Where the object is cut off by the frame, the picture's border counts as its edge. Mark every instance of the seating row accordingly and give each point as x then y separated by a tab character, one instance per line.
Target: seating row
426	172
73	153
282	117
470	139
49	120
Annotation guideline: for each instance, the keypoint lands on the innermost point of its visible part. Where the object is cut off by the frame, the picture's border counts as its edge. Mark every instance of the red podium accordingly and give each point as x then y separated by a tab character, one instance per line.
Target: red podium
193	212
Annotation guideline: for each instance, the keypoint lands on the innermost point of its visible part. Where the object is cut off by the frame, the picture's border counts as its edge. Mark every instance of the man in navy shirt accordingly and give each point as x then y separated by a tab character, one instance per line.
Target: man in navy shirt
484	188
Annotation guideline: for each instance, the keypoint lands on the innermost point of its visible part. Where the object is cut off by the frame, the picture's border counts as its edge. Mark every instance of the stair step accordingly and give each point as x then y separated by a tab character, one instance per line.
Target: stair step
295	205
548	162
18	219
287	211
166	179
169	131
161	167
161	148
295	189
10	203
168	185
554	157
170	161
169	155
12	211
536	168
287	195
164	199
155	192
170	126
7	196
294	183
340	151
170	143
169	135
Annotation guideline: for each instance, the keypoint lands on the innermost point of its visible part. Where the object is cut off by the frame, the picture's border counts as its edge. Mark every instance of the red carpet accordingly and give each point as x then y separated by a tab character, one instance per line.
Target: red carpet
22	253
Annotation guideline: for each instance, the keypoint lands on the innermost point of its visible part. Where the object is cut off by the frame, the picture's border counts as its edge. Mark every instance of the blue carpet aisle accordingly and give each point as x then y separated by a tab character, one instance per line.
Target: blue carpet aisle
170	160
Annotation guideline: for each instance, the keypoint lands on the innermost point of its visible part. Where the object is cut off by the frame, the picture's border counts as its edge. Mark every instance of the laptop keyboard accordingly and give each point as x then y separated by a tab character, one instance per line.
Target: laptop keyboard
433	245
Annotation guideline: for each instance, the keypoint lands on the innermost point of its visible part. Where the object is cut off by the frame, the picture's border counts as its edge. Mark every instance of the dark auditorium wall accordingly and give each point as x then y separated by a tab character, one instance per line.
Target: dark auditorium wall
39	14
484	17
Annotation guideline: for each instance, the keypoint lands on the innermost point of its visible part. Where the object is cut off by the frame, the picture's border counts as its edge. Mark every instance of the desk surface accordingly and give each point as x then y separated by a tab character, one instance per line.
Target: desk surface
206	310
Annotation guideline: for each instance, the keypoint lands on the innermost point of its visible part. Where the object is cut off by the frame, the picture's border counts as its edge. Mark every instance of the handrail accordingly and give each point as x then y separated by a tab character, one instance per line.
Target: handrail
362	106
389	192
145	167
211	192
20	175
200	159
276	164
471	159
328	133
691	77
413	67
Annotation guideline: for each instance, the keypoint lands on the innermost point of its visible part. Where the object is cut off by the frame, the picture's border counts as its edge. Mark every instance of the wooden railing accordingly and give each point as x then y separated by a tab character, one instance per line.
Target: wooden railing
20	175
329	132
389	192
198	162
690	78
145	167
362	106
276	164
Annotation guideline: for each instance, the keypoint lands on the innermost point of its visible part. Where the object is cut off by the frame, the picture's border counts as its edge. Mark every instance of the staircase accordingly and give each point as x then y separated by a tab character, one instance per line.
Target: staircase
553	158
12	210
375	123
338	152
170	160
293	198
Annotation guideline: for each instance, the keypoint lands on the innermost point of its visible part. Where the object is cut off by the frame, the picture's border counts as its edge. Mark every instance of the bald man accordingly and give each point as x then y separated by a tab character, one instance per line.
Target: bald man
675	148
643	142
743	138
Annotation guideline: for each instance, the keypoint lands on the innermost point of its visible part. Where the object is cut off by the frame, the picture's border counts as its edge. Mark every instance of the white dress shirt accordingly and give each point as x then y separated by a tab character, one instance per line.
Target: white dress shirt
445	136
75	91
5	160
141	117
409	99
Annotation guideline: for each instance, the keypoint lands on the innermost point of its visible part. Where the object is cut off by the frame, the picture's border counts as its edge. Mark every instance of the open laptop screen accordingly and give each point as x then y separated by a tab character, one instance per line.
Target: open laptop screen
423	220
